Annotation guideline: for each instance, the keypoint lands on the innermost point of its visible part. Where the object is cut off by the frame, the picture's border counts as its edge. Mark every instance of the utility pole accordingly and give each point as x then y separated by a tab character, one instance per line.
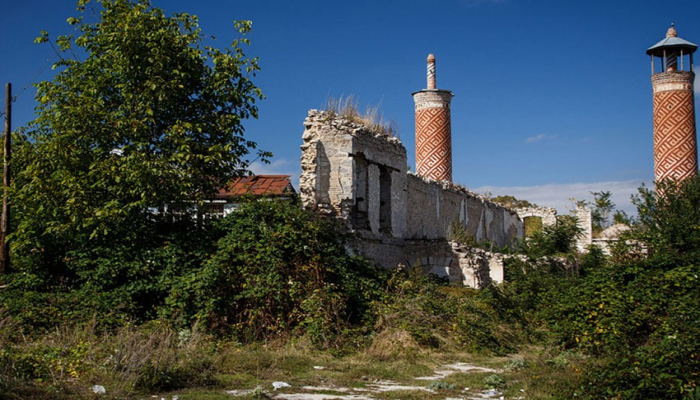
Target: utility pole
5	219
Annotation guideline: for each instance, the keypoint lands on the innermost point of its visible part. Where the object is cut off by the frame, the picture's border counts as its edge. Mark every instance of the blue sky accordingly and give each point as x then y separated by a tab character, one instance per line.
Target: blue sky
552	98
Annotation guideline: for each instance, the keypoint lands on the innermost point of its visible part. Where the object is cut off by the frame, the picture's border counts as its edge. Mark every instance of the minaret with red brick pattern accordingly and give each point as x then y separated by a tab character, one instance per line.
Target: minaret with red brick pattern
433	129
675	141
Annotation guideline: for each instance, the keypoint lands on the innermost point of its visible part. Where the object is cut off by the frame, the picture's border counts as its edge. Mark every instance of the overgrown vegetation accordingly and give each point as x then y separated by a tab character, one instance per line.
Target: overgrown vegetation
638	314
619	327
603	212
372	118
512	202
117	282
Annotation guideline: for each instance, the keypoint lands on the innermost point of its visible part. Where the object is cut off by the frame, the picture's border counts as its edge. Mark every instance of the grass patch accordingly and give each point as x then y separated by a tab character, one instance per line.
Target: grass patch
471	380
371	117
157	352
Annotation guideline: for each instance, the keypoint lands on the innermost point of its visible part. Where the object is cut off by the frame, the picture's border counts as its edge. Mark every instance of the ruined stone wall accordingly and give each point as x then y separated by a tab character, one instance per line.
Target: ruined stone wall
353	174
361	178
585	222
459	263
547	214
435	206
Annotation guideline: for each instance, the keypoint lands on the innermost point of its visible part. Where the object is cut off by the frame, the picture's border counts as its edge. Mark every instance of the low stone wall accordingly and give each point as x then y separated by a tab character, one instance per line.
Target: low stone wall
469	266
479	268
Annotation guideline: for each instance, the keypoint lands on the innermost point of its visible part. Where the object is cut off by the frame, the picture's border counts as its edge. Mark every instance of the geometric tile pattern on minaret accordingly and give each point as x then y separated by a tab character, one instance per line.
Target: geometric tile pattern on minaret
434	143
675	141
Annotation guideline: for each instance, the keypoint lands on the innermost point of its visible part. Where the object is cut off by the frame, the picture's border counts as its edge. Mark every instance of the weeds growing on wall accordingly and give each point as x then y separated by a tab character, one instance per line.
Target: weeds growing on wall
371	117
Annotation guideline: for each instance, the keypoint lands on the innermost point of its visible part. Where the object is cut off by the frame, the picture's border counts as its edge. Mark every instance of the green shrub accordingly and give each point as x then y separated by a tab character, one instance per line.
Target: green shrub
118	279
557	239
435	314
494	381
278	269
639	314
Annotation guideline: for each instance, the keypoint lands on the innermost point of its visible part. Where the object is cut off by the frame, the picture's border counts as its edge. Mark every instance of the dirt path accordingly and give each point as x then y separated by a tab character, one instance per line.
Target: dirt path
370	390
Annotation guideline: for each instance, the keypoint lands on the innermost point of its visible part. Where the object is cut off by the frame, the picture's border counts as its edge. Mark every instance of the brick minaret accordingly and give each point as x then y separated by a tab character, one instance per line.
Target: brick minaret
433	129
675	142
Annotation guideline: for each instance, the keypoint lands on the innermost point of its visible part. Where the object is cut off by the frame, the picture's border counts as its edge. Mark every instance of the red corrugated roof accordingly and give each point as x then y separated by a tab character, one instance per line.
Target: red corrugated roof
258	185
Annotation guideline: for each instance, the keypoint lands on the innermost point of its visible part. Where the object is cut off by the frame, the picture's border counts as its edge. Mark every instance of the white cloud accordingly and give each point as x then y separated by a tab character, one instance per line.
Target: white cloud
280	166
697	83
533	139
558	195
540	137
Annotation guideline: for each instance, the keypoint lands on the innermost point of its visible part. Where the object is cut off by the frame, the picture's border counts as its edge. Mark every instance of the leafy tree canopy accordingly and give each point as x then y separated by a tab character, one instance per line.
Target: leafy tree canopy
603	206
669	221
149	117
602	209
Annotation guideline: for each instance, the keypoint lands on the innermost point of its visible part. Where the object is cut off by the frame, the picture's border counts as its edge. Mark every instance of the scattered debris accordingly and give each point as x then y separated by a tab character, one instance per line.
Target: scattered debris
450	369
381	386
99	389
280	385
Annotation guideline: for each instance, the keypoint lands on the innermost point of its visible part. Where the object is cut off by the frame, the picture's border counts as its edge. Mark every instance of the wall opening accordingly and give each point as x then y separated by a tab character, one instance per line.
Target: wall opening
532	224
384	200
360	217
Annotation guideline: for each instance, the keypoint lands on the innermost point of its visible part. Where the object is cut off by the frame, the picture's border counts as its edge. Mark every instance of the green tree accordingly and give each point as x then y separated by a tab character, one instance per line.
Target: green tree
140	115
621	217
669	221
603	206
149	117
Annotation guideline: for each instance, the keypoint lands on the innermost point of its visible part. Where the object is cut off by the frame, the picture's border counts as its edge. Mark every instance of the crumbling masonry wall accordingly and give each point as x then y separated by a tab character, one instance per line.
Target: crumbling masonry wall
548	215
354	175
398	218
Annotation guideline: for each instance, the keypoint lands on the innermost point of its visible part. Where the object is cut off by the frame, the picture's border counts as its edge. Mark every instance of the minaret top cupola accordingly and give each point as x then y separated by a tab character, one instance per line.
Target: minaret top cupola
675	54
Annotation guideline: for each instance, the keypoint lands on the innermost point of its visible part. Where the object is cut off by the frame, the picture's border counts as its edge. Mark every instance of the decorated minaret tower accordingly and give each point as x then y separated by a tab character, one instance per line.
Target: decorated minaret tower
675	141
433	129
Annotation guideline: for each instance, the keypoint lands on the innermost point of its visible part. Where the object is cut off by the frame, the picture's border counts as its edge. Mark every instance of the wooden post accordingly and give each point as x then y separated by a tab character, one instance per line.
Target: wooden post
5	219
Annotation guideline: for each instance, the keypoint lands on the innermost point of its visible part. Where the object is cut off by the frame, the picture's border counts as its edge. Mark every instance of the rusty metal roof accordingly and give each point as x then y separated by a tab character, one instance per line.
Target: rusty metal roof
258	185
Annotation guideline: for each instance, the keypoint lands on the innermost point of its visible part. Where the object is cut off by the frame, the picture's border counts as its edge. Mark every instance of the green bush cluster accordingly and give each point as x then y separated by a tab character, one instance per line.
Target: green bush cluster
268	269
277	268
634	314
638	314
436	314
